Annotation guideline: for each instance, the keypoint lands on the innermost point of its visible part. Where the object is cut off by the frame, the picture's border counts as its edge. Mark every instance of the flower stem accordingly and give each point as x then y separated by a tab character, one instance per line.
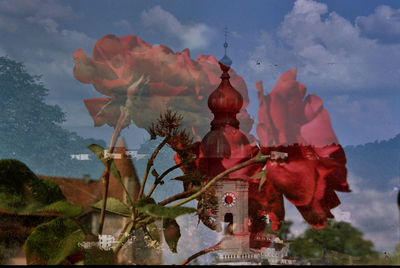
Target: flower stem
106	174
165	173
202	252
150	163
177	197
124	237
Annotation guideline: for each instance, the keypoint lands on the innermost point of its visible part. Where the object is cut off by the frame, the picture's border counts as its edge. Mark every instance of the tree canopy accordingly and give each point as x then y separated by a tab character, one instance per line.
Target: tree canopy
338	243
30	129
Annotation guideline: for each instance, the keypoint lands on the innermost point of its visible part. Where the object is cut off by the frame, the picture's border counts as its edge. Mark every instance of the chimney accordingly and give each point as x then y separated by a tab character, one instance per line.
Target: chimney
86	179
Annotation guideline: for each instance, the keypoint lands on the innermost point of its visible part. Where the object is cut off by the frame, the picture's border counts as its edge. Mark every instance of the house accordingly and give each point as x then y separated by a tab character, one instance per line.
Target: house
276	253
16	228
288	260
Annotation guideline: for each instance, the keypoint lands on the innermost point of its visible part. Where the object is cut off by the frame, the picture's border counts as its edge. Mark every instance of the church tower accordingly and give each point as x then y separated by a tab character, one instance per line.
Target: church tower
231	192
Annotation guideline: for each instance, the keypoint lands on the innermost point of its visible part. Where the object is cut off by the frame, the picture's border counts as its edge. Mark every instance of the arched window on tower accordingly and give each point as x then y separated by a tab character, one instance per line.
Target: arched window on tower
228	219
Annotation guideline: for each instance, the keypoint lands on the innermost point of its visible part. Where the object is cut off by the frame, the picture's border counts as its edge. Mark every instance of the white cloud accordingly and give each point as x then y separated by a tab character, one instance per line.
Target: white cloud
192	36
373	212
383	24
329	52
376	214
123	25
342	215
41	8
333	58
47	23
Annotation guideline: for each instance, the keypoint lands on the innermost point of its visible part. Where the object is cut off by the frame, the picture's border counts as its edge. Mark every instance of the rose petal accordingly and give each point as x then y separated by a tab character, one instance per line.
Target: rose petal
295	179
84	69
107	49
319	132
94	106
313	106
104	111
265	129
164	89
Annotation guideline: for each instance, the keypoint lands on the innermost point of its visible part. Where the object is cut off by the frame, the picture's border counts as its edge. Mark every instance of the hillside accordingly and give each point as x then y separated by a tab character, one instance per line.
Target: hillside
377	163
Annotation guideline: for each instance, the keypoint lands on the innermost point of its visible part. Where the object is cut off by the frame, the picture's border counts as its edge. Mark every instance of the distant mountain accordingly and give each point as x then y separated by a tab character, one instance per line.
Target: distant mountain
377	163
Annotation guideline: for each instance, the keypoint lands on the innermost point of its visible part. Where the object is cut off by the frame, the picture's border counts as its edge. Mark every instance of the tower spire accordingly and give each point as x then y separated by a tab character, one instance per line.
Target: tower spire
226	35
225	59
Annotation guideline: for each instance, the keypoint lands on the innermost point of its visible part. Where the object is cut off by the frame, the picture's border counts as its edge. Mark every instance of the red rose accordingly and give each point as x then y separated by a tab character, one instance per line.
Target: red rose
315	167
174	81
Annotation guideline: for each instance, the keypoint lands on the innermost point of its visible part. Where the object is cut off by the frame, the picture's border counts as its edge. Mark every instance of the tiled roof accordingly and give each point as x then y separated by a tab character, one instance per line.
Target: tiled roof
80	191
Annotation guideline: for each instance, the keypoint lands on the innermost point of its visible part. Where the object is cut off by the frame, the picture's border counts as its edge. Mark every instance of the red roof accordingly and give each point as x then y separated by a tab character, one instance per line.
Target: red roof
79	191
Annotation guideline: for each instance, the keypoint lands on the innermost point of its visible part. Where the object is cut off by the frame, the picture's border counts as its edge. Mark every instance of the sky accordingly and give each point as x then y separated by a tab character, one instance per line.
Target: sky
346	52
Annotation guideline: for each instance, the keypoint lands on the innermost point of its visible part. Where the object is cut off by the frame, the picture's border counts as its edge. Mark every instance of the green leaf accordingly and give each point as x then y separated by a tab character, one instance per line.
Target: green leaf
22	192
193	177
262	157
52	242
165	212
262	176
99	152
144	201
64	207
172	233
148	206
115	206
98	256
153	232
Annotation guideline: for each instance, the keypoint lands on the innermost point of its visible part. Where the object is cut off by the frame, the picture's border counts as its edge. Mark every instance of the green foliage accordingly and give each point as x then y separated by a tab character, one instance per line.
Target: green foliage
262	175
153	232
387	258
115	206
98	256
65	208
144	202
99	152
333	244
265	262
51	243
172	233
284	232
149	207
30	130
21	191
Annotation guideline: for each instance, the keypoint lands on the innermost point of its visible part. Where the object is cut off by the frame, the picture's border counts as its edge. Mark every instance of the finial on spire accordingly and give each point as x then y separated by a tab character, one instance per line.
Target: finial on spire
226	35
225	59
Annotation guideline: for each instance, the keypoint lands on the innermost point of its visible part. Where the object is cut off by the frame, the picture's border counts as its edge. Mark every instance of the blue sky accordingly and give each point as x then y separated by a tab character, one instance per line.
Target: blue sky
346	52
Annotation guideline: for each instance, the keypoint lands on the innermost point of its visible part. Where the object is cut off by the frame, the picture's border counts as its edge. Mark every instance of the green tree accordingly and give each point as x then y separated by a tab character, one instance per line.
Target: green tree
338	243
284	232
388	258
265	262
30	129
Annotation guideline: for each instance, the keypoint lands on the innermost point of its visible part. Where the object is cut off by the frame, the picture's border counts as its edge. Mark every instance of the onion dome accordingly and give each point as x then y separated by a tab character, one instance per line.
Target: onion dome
225	102
224	146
